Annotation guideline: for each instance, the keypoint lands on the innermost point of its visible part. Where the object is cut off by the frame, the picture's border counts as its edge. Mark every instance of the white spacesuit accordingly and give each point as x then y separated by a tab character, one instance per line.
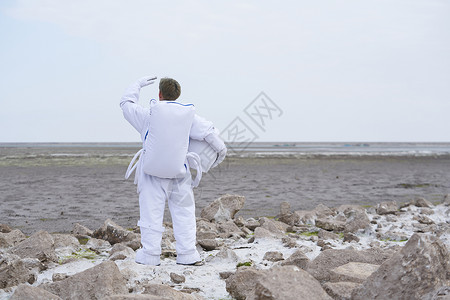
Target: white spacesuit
153	191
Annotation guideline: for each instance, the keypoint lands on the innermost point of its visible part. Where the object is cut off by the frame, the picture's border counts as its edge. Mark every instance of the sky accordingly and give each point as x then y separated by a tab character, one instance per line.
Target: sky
303	71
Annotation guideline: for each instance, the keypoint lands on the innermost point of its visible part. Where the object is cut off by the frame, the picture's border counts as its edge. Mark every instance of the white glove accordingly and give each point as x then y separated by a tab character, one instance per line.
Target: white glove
147	80
220	157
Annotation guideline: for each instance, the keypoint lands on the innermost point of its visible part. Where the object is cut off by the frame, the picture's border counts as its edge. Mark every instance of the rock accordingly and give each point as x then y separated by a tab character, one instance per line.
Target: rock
223	208
286	216
340	290
40	245
5	228
13	271
59	276
442	293
26	292
423	220
299	259
208	244
136	297
114	233
427	211
262	233
330	224
136	243
329	259
353	272
97	282
98	245
419	268
446	200
422	202
327	235
385	208
305	217
241	284
356	218
396	236
120	252
288	282
252	224
350	237
224	255
176	278
81	231
11	238
273	256
276	227
225	275
285	208
206	230
239	221
165	291
65	244
228	229
323	211
289	242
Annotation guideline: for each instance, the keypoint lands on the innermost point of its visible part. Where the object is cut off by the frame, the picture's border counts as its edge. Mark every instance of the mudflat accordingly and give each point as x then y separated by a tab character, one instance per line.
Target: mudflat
53	192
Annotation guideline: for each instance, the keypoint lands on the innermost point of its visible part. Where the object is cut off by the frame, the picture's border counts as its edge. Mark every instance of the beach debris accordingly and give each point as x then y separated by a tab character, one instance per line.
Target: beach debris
14	271
223	208
385	208
164	291
177	278
26	292
11	238
40	245
419	268
114	233
97	282
298	258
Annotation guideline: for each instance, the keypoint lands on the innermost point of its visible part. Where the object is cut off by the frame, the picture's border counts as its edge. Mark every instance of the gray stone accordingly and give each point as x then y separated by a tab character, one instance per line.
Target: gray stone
252	224
353	272
329	259
262	233
225	275
356	218
40	245
241	284
285	208
340	290
81	231
165	291
330	224
206	230
13	271
223	208
299	259
65	241
239	221
228	229
289	242
273	256
305	217
422	266
350	237
5	228
59	276
446	200
224	255
323	211
114	233
136	297
11	238
276	227
327	235
288	282
385	208
97	282
120	252
177	278
422	202
98	245
208	244
26	292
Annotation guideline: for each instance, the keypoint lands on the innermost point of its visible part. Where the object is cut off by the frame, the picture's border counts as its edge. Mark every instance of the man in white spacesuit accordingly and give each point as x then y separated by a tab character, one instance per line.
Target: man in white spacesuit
153	190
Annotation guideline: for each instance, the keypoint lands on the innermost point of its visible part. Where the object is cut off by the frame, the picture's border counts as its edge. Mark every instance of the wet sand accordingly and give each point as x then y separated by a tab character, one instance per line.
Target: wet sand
54	193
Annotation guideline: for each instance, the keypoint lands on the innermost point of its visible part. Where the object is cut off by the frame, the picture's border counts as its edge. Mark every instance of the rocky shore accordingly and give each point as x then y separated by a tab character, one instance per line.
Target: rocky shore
388	251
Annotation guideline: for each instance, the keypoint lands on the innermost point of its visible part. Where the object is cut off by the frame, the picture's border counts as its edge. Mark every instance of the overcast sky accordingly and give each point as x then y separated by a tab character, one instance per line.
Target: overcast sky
348	70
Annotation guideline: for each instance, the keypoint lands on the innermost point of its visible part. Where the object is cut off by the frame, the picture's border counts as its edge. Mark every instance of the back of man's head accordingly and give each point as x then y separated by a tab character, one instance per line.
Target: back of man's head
169	89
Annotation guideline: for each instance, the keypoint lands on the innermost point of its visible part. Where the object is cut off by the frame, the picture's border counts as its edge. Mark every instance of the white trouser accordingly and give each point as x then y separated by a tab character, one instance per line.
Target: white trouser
153	192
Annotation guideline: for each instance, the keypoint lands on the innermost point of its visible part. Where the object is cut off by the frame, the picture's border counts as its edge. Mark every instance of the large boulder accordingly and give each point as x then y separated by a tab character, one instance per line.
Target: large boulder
97	282
422	266
329	259
288	282
26	292
11	238
114	233
224	208
40	245
241	284
14	271
340	290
